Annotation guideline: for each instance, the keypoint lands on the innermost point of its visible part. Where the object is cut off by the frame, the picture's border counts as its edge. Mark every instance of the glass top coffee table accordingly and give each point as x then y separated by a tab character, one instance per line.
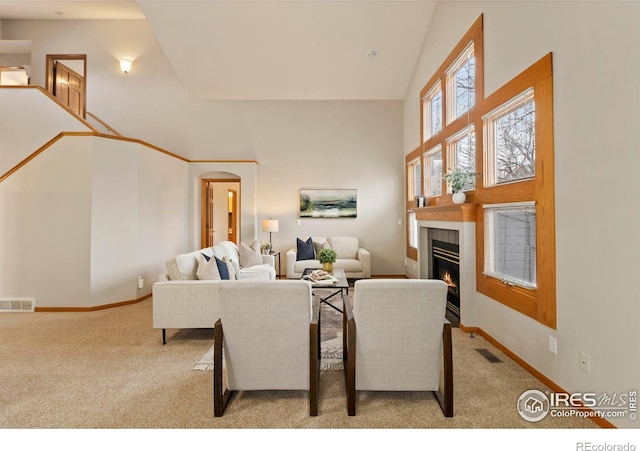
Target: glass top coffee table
339	287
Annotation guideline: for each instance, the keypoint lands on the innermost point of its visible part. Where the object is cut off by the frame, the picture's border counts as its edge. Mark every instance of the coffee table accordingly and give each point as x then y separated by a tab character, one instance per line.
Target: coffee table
335	289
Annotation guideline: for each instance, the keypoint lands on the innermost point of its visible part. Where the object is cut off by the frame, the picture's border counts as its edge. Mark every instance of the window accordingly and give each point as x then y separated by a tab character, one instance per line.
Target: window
413	229
414	175
510	239
432	112
511	143
462	153
433	164
461	84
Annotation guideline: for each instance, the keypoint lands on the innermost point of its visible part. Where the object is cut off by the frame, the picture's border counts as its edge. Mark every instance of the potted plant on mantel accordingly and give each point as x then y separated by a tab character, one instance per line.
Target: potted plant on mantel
327	257
458	179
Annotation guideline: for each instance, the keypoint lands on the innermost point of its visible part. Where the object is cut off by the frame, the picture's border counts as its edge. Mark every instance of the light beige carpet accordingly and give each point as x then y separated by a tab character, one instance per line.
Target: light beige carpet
109	369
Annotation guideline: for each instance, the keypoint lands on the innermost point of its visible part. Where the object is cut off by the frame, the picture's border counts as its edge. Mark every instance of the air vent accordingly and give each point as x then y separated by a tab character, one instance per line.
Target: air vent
17	305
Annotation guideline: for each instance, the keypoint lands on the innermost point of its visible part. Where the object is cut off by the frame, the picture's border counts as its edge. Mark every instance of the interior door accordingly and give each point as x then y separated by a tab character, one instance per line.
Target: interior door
66	79
69	87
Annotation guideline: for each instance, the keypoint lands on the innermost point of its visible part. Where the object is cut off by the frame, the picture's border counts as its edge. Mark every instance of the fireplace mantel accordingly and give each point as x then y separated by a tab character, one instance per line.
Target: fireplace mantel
453	212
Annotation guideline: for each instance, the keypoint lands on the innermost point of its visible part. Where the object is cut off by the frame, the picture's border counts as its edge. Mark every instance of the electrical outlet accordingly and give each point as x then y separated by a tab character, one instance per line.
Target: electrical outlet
585	362
553	344
299	222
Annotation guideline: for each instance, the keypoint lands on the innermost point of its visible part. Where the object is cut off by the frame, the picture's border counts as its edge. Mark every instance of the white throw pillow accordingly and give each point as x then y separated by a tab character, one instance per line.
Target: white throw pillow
249	257
233	273
207	269
319	246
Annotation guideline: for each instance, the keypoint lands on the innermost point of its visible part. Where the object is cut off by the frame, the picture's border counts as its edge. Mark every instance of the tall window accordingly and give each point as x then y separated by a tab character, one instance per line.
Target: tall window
461	84
433	163
451	96
511	140
414	179
432	112
414	162
462	154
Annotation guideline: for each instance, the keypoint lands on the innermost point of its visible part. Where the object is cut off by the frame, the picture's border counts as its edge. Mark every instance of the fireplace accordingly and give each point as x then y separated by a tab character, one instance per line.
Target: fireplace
445	261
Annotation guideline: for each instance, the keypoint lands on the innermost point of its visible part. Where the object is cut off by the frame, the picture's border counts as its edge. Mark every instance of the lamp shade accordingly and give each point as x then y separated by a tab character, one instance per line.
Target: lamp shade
125	66
270	225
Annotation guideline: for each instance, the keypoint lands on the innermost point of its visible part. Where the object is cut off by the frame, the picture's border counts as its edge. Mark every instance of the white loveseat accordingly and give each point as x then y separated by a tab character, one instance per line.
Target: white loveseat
353	259
181	301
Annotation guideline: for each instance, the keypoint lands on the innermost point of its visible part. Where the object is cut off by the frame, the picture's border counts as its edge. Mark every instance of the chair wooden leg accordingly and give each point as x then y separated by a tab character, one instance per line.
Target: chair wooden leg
345	350
445	396
350	367
314	369
221	396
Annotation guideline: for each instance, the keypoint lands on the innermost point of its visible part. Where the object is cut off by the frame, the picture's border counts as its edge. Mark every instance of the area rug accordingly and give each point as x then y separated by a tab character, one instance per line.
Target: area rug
330	340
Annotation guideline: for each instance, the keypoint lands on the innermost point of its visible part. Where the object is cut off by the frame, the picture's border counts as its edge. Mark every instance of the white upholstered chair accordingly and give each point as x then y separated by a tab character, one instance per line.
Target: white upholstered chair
394	336
269	332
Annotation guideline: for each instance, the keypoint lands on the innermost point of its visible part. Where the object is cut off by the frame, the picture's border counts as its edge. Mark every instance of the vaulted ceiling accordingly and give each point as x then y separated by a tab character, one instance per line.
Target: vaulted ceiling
267	50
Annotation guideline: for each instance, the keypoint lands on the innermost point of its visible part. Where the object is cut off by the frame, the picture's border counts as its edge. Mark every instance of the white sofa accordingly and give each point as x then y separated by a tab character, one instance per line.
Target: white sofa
181	301
353	259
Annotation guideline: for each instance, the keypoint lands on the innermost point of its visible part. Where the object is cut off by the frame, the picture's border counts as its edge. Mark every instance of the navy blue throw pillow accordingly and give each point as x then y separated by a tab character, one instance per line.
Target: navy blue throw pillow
305	250
222	269
206	257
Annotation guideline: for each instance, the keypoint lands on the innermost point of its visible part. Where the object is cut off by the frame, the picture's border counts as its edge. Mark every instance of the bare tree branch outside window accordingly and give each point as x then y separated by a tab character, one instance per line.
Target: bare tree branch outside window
515	149
465	86
465	157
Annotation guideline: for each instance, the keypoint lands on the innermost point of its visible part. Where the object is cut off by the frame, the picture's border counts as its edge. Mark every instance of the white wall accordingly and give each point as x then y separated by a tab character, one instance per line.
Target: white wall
39	118
84	218
162	213
353	145
45	227
138	205
596	98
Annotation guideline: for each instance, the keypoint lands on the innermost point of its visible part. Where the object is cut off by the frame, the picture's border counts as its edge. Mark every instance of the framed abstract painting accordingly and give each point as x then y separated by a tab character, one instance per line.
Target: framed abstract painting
328	203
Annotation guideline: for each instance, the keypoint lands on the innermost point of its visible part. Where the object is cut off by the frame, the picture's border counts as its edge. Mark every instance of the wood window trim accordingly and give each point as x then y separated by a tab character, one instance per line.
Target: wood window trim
540	303
411	252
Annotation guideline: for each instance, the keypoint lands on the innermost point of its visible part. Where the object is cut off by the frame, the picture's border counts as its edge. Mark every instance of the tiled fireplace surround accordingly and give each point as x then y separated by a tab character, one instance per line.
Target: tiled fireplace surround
451	224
